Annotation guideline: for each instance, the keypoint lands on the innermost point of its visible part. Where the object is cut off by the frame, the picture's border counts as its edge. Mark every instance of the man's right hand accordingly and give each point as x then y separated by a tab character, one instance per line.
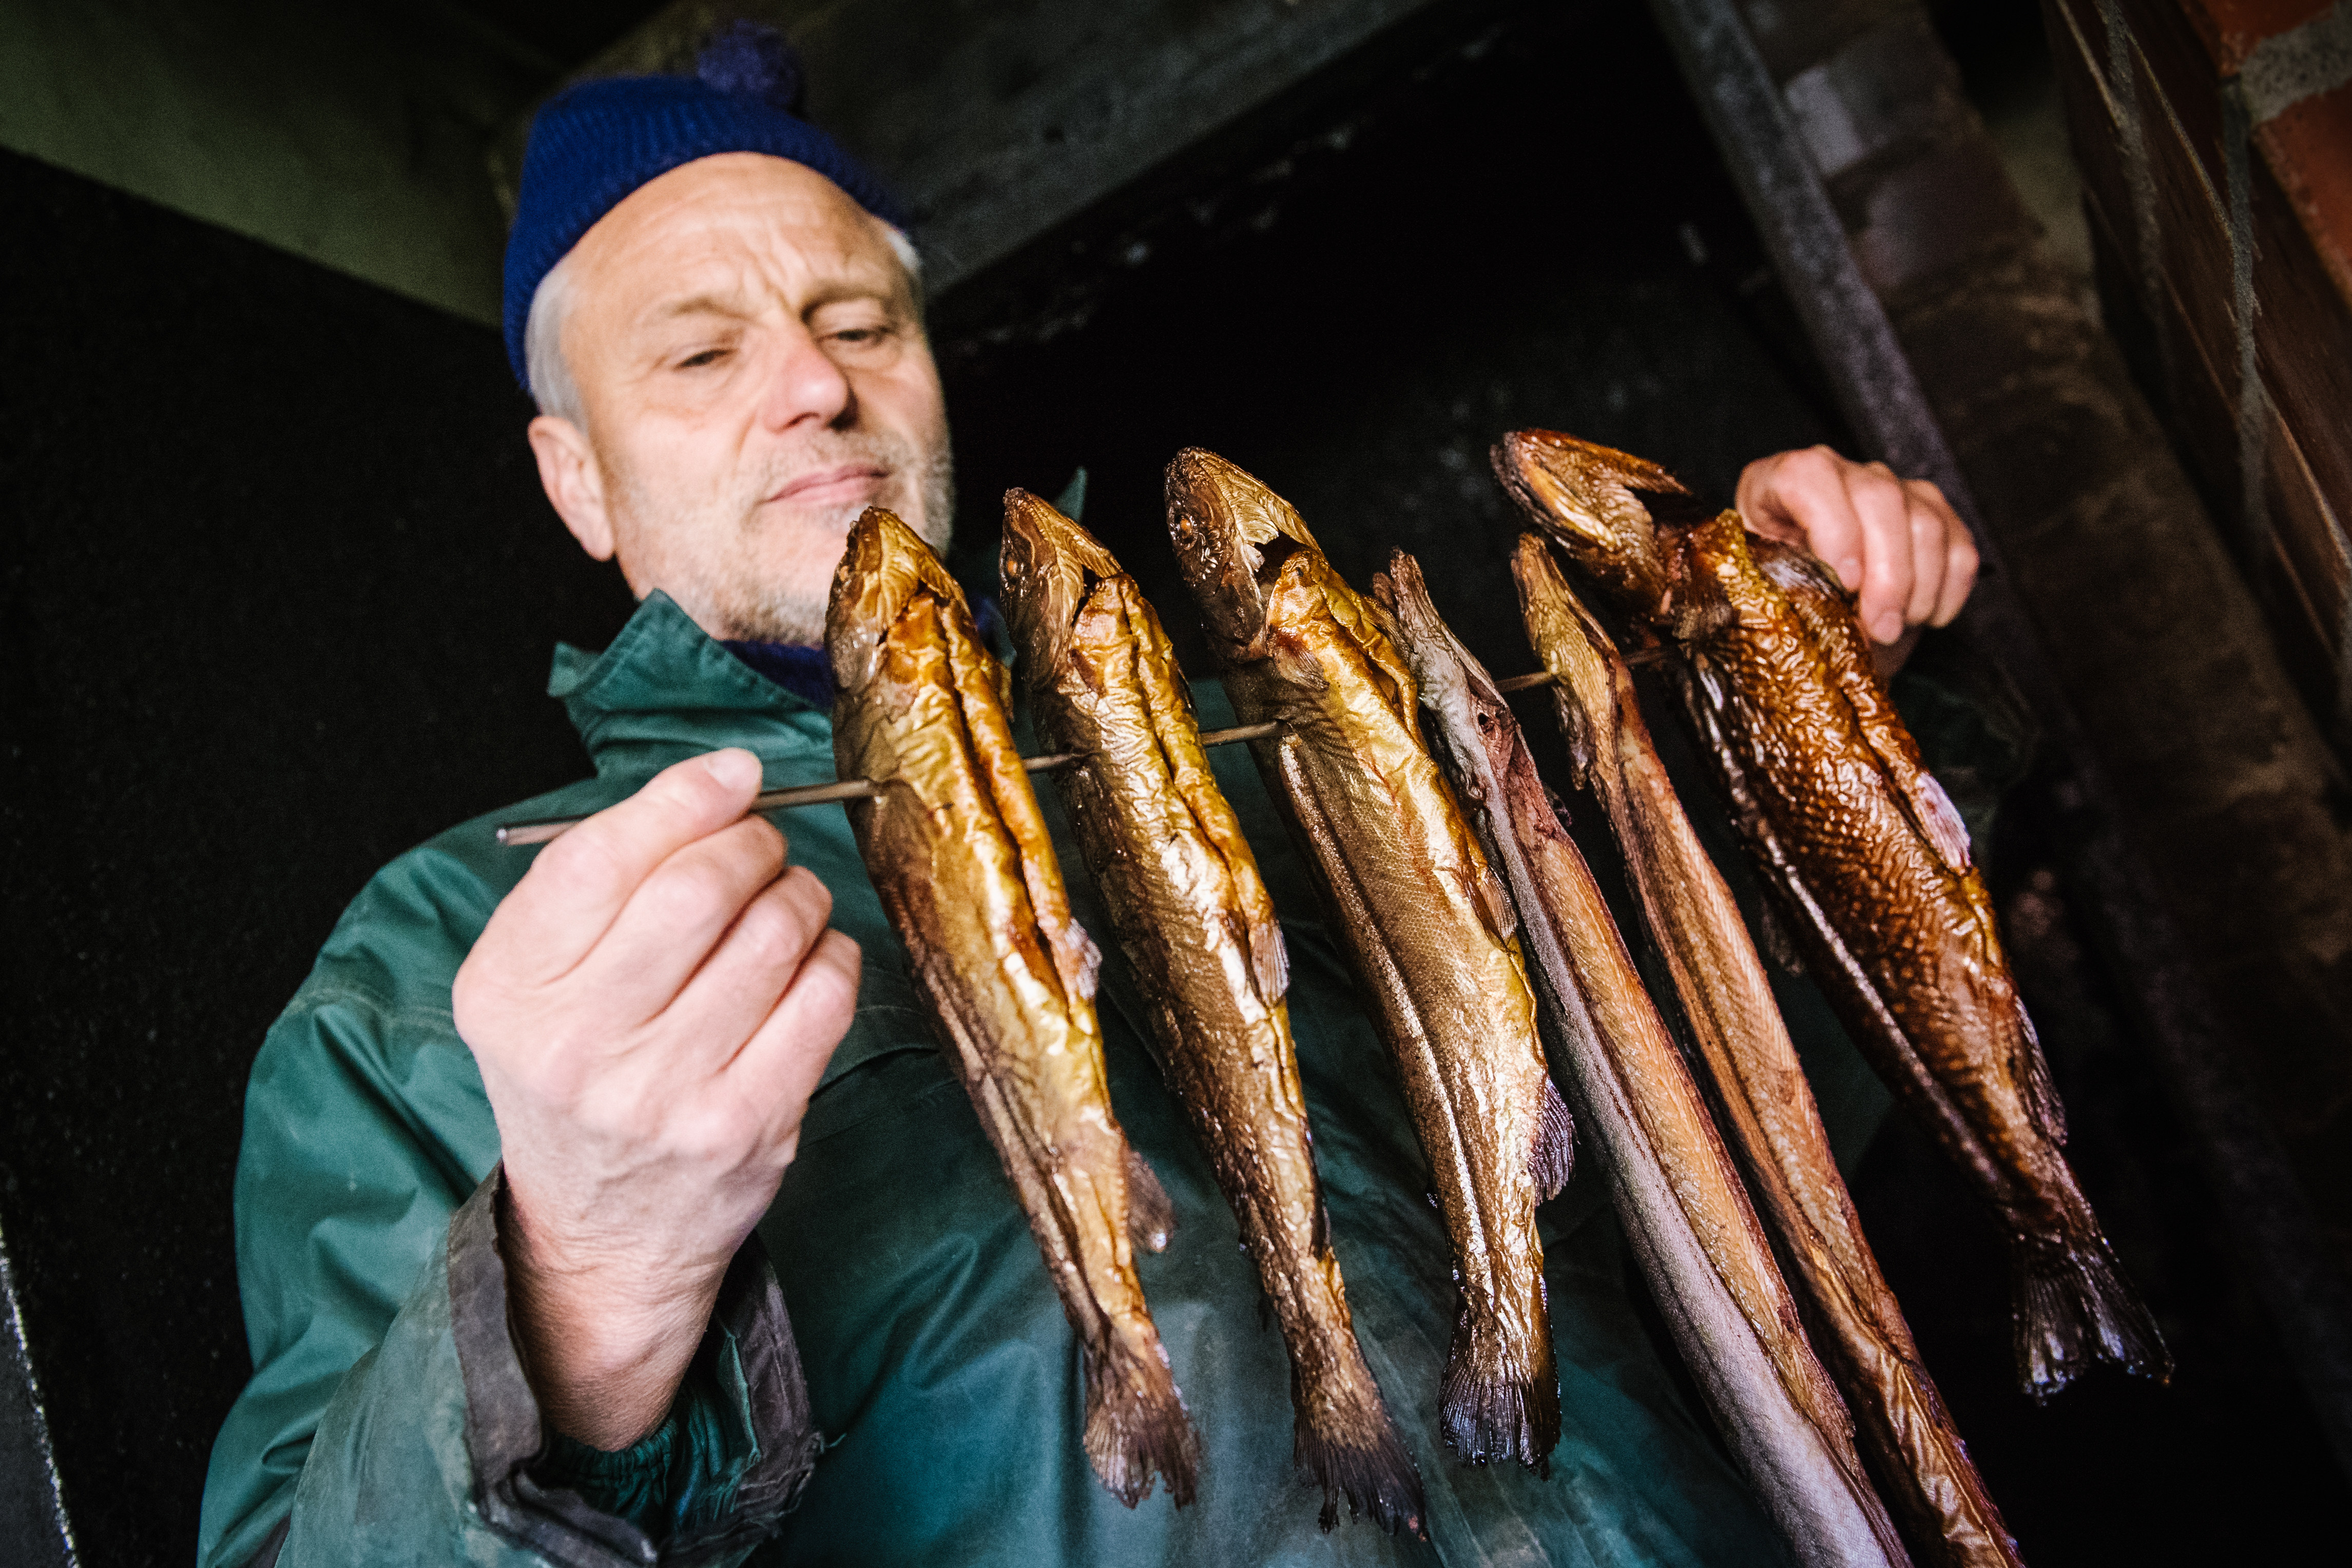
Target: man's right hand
651	1007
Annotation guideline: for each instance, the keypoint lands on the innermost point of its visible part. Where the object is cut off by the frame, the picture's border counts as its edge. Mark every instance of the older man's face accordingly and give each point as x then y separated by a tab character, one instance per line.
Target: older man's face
753	371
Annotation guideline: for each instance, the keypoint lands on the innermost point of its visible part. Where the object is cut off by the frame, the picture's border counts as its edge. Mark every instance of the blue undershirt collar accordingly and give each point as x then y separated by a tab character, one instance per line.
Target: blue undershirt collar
805	673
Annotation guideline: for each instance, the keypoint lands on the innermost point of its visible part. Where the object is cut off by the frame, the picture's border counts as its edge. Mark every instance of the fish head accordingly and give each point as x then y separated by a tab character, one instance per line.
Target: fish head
1576	650
1049	568
1470	712
1476	733
1232	534
1601	505
884	565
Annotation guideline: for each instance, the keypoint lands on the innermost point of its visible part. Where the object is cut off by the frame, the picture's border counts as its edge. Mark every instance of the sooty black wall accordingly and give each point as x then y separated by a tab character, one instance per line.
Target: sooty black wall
280	593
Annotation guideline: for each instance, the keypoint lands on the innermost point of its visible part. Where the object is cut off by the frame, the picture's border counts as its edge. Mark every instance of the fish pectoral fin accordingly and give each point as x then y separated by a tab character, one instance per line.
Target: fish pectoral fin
1260	939
1076	959
1553	1159
1938	819
1780	943
1269	962
1151	1217
1487	891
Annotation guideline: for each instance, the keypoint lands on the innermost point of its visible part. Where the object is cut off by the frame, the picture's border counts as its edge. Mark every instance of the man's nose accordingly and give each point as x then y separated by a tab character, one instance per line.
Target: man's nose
804	385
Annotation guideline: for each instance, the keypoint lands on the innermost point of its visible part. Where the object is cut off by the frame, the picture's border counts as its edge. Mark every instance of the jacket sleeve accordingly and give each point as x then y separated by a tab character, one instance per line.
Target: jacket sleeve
433	1450
388	1420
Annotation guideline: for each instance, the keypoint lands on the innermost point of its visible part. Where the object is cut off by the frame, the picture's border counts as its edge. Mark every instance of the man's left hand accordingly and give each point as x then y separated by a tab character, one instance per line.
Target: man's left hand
1896	541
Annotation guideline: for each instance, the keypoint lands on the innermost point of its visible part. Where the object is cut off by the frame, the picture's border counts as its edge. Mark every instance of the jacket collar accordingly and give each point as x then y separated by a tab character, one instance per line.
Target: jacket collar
664	691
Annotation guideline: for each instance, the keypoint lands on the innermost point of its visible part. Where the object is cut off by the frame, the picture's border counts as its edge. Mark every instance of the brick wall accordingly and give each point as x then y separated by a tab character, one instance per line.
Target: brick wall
2215	141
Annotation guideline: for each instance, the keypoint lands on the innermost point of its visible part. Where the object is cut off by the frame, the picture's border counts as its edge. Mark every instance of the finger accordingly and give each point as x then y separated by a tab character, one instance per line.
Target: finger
1885	510
580	883
1806	491
1960	577
1930	531
1759	502
733	993
680	914
781	1065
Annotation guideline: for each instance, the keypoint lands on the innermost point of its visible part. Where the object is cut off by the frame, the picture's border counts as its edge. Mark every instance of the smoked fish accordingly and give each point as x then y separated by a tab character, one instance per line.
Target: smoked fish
1188	907
960	857
1770	1119
1869	860
1429	928
1677	1192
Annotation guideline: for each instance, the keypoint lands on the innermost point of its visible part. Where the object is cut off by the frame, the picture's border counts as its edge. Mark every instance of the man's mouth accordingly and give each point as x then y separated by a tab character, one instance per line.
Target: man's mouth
833	486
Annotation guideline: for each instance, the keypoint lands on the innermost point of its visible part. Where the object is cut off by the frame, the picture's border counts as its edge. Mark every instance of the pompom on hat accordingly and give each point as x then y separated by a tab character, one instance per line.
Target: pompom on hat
593	144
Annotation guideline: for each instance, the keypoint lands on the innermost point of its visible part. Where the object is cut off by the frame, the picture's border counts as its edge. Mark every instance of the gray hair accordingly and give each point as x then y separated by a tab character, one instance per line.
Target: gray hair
551	386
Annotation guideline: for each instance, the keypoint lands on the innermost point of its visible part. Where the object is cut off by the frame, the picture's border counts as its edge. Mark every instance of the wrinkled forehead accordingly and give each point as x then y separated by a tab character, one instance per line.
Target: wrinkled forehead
741	227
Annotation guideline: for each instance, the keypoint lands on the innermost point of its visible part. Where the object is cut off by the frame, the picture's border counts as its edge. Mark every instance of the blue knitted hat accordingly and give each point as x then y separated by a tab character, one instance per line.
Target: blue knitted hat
596	142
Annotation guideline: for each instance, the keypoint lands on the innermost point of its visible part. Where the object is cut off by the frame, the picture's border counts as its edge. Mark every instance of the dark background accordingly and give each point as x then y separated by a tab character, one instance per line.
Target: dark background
280	590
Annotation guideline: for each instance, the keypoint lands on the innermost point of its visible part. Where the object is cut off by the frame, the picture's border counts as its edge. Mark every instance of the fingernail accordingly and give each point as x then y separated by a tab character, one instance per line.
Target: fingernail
1850	572
734	768
1887	627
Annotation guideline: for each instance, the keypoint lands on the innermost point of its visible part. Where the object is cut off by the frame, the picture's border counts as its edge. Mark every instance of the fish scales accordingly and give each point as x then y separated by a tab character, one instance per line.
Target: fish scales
1425	922
1864	851
959	855
1190	909
1769	1114
1707	1257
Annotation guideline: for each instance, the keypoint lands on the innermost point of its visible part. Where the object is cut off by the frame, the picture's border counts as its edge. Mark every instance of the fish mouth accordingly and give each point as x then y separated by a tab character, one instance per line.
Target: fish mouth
884	563
1591	495
1602	506
1231	532
1048	567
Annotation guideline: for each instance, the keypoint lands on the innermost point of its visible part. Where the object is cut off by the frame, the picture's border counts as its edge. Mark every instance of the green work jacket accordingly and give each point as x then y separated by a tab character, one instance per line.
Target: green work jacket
889	1377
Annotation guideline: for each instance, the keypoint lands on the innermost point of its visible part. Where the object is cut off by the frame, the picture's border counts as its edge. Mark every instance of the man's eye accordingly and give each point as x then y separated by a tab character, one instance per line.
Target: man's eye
706	357
857	337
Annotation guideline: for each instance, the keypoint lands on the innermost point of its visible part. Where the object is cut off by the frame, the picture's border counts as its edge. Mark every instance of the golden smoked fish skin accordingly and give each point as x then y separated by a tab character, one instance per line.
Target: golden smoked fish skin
960	857
1198	927
1707	1259
1768	1115
1866	854
1427	926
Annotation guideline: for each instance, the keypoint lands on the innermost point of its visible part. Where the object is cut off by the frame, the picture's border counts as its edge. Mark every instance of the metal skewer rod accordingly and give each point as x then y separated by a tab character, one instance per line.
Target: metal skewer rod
539	830
1637	658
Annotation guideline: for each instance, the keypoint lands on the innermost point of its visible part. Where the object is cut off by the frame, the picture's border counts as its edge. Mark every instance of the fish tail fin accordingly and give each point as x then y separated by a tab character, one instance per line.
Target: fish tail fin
2072	1310
1553	1160
1345	1443
1136	1428
1491	1404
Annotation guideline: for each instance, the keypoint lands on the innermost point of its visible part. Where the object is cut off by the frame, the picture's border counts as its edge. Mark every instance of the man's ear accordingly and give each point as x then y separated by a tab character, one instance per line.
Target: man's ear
574	483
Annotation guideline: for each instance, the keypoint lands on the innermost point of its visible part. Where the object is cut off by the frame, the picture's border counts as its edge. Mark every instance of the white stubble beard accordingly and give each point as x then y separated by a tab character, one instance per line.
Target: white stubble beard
735	596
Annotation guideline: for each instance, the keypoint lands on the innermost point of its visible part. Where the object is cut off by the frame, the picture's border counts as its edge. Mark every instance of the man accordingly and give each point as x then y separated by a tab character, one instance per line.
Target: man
528	1155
